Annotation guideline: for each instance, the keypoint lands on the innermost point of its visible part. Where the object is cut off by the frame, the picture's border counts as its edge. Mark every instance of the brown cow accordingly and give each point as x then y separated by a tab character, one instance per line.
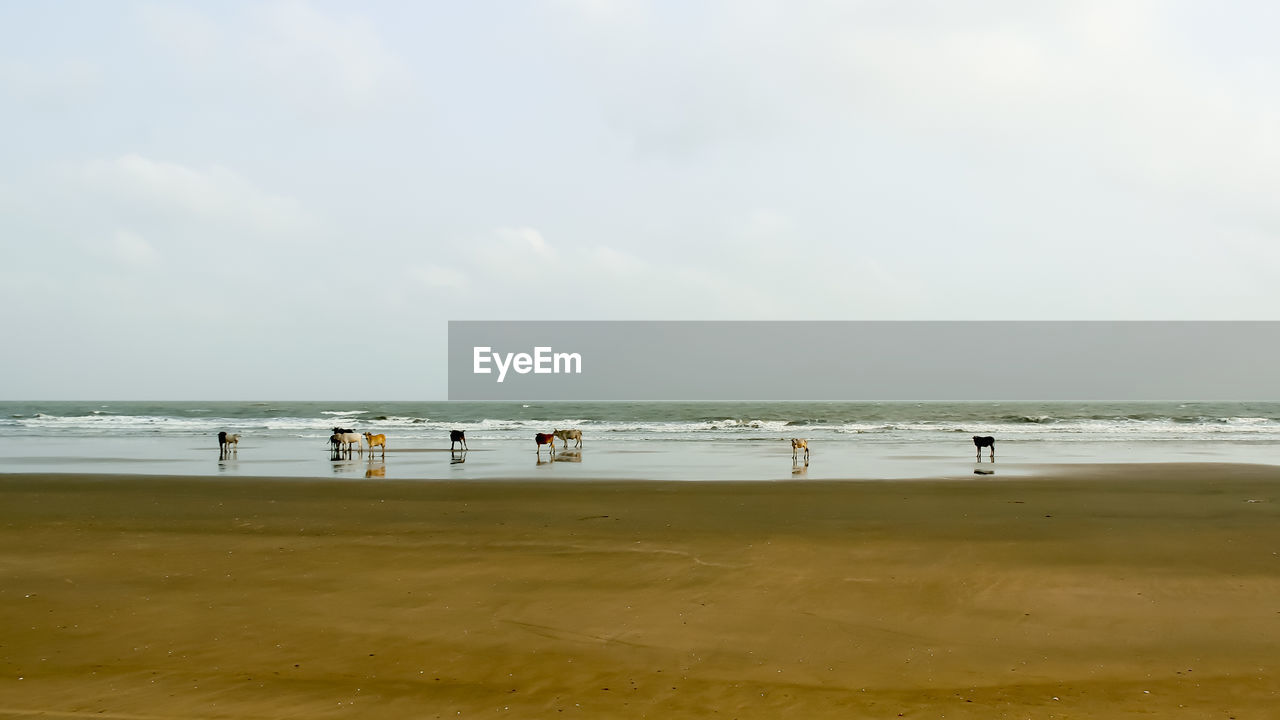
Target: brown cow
545	439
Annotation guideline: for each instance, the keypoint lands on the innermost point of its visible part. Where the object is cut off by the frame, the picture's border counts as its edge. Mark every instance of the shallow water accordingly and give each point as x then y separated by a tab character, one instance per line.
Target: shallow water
598	459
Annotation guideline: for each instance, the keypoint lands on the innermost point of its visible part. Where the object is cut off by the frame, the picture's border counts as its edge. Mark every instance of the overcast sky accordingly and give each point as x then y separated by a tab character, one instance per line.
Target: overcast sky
289	200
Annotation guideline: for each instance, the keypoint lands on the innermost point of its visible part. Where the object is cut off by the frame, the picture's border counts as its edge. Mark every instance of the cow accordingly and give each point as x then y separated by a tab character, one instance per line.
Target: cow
567	435
378	439
981	441
347	441
548	439
798	444
457	436
228	443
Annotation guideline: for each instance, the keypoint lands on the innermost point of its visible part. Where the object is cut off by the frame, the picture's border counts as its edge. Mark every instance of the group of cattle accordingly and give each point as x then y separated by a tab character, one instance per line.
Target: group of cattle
979	441
344	440
228	443
347	440
549	439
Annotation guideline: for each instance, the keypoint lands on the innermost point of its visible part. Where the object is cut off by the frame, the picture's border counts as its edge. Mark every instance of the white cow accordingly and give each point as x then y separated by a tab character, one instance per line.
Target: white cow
347	441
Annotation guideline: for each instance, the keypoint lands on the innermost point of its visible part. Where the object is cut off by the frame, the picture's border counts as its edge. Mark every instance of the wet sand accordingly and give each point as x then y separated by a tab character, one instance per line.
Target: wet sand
1095	591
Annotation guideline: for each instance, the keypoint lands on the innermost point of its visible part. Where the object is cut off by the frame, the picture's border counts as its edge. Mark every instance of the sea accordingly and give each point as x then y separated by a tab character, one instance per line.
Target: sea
628	440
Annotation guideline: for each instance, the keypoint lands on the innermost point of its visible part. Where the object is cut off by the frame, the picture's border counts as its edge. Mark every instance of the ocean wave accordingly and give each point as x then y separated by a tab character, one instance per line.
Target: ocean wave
903	423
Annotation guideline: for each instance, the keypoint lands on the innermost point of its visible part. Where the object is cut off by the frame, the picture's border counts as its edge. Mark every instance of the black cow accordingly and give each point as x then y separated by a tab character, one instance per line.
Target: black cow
457	436
981	441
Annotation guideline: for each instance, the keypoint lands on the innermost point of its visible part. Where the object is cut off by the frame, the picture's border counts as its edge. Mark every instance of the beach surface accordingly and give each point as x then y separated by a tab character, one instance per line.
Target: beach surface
1094	591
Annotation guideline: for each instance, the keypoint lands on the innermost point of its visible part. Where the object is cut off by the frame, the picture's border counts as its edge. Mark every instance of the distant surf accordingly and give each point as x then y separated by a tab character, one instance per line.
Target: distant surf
667	421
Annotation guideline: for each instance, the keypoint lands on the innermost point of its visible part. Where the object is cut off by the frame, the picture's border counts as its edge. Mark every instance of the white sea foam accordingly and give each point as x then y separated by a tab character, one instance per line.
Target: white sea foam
891	424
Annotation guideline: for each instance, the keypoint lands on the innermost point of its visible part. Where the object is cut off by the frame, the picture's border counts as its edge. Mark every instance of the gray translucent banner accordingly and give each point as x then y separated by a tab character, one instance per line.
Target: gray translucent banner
913	361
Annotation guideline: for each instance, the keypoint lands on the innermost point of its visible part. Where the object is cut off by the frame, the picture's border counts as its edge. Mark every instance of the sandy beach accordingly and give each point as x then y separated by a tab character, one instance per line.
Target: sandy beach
1095	591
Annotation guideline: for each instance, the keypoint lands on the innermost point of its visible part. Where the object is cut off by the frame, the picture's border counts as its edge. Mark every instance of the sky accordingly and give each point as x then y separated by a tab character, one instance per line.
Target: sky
290	199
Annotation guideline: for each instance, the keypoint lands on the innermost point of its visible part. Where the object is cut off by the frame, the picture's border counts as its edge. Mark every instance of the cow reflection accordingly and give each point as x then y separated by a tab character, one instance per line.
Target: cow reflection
457	457
375	469
797	468
567	456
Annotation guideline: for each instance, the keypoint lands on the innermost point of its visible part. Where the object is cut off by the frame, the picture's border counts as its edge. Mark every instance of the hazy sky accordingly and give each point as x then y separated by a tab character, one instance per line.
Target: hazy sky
289	200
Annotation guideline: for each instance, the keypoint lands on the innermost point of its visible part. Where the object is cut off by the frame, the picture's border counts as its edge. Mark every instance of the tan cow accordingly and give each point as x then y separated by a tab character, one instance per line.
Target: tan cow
798	444
567	435
375	440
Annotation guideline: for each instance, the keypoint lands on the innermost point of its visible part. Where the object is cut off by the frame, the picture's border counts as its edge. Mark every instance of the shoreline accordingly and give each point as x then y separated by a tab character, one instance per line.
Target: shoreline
1130	590
599	460
1036	472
